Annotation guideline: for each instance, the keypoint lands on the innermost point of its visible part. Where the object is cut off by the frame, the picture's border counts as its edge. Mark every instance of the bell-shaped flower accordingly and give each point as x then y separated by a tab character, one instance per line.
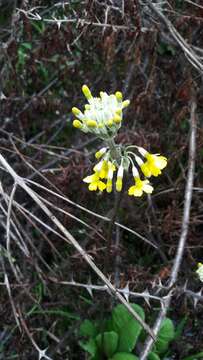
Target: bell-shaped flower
154	164
94	182
140	187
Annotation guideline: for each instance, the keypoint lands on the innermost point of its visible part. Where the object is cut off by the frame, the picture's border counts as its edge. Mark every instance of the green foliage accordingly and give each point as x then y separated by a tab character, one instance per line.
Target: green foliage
180	327
87	328
89	346
166	334
122	320
166	49
153	356
23	51
120	335
107	342
124	356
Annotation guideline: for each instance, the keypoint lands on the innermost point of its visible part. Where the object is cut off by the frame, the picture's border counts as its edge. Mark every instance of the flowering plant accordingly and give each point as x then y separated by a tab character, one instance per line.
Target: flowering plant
103	117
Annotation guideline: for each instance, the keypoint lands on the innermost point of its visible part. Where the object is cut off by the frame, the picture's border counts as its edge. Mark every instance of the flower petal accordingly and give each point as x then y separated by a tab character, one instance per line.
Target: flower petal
160	162
101	185
146	169
148	188
93	186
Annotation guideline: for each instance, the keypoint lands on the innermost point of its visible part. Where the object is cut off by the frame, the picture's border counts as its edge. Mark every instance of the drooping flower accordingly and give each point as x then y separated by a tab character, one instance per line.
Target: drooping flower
94	182
154	164
199	271
140	187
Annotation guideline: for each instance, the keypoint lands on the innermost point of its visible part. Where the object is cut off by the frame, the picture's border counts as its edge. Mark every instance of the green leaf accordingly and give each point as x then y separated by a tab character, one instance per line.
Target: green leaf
89	346
194	357
26	45
126	326
180	327
107	342
124	356
166	334
161	346
167	331
87	328
153	356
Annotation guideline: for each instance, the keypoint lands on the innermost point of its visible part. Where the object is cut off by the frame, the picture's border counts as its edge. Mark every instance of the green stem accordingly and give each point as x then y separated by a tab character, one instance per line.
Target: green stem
115	153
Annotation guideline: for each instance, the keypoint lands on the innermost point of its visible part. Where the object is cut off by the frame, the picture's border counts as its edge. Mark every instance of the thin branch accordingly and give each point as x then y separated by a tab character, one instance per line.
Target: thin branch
125	291
69	238
188	50
184	231
104	218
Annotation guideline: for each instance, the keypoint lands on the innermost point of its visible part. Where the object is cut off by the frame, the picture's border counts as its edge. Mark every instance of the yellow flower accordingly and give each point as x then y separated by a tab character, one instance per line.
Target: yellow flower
199	271
140	187
153	165
103	168
94	182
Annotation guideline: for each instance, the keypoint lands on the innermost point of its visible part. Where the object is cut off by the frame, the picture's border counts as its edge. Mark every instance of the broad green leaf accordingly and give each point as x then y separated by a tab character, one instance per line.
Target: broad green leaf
87	328
89	346
107	342
166	334
126	326
161	346
167	331
124	356
153	356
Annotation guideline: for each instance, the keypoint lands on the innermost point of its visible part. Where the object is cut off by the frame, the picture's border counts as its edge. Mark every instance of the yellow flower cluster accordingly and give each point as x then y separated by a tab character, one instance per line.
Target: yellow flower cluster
102	115
103	170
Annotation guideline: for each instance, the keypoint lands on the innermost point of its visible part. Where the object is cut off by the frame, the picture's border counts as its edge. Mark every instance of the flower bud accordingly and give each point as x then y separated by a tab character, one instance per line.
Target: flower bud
86	91
91	123
77	124
119	95
125	103
76	111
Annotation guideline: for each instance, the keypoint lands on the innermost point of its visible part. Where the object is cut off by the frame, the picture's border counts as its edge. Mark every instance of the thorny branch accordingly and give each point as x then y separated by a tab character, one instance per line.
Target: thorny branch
184	230
188	50
20	182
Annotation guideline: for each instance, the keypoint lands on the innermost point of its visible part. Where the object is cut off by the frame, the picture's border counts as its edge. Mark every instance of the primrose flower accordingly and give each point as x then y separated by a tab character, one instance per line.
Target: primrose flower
154	164
102	169
102	115
140	187
199	271
94	182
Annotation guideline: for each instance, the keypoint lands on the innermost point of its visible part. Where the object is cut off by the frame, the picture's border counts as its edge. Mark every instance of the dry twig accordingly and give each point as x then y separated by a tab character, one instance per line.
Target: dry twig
184	231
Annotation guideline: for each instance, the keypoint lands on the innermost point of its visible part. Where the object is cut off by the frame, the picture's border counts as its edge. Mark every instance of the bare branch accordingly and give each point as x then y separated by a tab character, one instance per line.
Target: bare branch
184	231
70	239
